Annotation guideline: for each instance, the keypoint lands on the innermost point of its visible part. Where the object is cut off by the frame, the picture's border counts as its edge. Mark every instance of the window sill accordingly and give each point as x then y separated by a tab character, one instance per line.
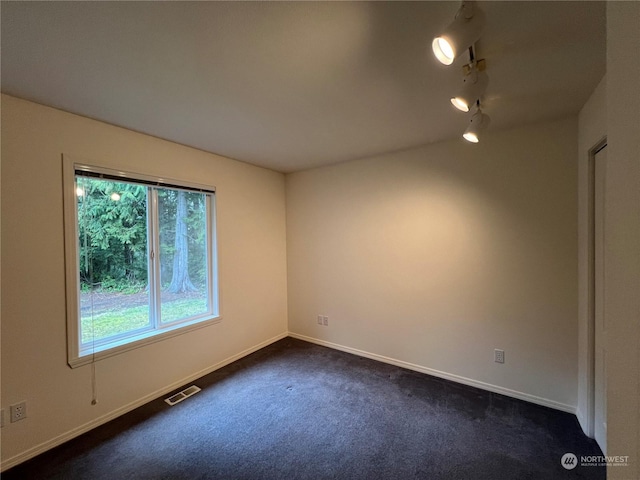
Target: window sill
90	355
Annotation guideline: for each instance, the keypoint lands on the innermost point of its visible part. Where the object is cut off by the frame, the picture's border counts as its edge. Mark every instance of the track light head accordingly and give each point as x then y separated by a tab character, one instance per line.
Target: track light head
474	86
463	32
443	50
460	103
479	122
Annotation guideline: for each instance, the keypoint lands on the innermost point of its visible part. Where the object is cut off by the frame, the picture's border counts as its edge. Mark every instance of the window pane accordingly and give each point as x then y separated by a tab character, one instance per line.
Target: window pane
183	254
112	226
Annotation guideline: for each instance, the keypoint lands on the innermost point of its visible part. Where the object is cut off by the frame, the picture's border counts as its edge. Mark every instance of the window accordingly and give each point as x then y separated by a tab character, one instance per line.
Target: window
140	259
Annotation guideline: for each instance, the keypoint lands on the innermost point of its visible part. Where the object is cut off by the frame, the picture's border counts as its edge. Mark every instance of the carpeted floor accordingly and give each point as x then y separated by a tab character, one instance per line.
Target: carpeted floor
295	410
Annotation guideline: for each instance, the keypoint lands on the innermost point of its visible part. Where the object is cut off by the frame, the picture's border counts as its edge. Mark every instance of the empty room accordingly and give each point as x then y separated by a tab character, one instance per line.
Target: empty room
307	240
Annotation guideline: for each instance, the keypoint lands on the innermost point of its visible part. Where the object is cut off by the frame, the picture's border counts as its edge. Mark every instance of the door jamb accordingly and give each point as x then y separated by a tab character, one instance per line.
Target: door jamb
591	344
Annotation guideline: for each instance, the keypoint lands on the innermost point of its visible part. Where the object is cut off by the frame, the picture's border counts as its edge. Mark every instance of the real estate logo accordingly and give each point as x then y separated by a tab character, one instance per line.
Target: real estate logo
569	461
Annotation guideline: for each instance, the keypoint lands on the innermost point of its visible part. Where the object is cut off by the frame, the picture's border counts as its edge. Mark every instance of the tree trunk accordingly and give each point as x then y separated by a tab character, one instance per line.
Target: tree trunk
180	281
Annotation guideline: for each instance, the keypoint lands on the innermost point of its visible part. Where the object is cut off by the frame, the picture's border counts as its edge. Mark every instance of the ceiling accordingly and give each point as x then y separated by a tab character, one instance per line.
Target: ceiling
291	86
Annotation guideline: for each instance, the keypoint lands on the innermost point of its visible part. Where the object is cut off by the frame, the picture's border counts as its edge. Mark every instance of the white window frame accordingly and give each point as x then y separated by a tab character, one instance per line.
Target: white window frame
79	355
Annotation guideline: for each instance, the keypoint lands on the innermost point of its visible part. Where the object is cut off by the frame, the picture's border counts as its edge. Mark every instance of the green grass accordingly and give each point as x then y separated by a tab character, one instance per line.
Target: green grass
183	308
122	320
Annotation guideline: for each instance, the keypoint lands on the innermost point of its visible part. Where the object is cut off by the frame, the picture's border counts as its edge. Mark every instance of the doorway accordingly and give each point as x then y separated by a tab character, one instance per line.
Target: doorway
598	164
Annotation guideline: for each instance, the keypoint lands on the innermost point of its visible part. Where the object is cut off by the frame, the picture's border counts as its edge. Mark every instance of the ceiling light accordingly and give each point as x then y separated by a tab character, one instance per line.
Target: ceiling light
479	122
463	32
474	86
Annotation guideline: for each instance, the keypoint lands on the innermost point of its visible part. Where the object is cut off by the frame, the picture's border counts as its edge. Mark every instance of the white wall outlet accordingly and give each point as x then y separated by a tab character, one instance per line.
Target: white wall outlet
18	411
325	320
319	319
498	355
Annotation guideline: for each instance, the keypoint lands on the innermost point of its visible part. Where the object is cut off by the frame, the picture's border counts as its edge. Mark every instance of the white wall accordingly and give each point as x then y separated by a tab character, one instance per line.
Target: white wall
592	128
252	273
622	236
436	256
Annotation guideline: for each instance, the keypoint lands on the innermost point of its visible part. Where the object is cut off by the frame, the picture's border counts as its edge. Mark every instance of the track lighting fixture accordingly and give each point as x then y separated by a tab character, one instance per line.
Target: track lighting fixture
475	83
479	122
461	34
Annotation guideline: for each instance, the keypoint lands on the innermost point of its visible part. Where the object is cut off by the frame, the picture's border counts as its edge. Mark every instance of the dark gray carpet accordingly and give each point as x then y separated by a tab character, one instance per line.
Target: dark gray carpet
295	410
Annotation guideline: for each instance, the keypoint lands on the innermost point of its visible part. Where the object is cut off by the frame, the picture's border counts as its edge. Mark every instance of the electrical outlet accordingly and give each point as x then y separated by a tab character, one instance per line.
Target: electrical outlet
319	319
498	356
325	320
18	411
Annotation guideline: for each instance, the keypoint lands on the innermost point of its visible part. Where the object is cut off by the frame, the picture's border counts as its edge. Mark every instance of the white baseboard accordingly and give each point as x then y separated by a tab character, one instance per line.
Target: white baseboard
583	420
447	376
60	439
65	437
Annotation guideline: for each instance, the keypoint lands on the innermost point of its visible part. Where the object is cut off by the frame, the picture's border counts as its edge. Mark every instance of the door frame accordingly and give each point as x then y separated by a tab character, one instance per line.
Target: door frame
591	282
